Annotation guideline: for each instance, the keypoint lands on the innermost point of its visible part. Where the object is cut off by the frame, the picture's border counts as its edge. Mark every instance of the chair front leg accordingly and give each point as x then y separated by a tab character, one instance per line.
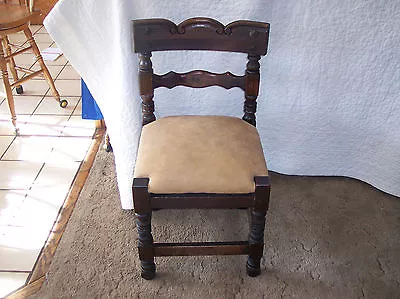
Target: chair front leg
145	246
257	226
256	241
143	214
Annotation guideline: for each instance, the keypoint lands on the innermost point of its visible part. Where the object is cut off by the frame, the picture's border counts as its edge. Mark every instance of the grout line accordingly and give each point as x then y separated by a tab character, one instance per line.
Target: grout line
77	104
8	147
37	30
37	106
33	182
63	67
14	271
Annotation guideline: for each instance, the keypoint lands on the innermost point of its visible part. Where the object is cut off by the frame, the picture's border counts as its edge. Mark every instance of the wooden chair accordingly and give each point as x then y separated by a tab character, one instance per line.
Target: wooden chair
15	17
205	162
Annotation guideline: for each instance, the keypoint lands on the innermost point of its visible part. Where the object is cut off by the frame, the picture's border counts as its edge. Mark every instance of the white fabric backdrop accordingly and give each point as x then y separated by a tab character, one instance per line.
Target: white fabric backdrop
328	103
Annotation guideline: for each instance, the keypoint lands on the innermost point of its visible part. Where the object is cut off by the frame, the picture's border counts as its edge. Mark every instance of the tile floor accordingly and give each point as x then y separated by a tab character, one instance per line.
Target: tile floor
37	167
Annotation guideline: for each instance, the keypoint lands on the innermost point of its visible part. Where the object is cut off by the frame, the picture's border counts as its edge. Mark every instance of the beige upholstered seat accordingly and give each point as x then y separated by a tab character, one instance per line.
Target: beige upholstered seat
200	154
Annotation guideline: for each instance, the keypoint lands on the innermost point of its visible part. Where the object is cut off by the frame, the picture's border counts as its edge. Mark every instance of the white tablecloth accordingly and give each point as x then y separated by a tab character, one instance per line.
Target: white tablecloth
329	100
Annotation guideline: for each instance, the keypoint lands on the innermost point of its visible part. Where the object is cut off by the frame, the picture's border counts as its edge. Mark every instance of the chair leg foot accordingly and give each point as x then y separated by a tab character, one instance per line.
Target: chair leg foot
148	269
107	144
19	89
253	268
63	103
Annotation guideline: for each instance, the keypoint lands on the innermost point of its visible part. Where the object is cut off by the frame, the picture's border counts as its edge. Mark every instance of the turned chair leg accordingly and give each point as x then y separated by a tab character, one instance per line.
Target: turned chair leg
256	240
145	246
46	73
257	225
14	73
7	87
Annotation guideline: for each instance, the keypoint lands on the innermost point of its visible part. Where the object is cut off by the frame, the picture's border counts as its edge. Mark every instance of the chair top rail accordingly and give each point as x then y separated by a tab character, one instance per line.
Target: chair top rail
200	34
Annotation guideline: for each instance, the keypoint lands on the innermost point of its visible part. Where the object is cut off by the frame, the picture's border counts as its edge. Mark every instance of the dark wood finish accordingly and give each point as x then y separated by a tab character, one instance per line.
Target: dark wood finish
198	79
200	34
251	90
201	201
201	248
141	195
146	87
256	235
143	215
145	245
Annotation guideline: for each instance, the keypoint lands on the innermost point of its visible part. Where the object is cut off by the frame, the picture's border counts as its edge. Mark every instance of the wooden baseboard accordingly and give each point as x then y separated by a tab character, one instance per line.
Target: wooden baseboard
27	290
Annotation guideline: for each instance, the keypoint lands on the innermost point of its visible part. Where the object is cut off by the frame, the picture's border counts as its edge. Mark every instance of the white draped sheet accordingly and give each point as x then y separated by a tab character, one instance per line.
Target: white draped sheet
329	99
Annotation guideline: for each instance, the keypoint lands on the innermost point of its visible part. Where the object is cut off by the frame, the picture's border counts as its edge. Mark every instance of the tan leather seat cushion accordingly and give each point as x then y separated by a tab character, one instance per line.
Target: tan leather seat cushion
200	154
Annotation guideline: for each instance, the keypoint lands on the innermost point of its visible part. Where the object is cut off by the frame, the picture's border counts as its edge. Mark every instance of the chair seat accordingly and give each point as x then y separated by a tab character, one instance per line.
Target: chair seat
12	16
200	154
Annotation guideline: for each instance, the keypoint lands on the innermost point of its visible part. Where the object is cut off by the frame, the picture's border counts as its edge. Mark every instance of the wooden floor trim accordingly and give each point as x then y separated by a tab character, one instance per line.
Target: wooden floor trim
45	258
27	290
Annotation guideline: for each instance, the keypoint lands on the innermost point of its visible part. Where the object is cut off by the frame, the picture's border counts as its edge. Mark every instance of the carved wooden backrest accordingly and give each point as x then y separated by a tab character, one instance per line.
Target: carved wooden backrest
199	34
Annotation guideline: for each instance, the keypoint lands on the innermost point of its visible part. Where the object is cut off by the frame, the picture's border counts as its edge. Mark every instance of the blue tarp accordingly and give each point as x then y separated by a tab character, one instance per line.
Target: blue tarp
90	110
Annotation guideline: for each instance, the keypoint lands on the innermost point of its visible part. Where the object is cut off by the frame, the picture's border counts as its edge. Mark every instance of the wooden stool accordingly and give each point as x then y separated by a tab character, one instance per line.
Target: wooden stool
15	18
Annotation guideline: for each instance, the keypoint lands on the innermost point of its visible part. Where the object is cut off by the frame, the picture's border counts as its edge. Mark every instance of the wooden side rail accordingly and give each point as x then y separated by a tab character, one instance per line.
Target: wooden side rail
199	249
201	201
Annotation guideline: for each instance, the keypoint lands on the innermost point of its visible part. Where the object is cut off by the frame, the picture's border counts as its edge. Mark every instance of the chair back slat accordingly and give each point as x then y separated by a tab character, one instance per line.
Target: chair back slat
200	34
198	79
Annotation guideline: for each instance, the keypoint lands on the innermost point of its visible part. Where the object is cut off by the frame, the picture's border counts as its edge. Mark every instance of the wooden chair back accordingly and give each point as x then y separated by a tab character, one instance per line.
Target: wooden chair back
200	34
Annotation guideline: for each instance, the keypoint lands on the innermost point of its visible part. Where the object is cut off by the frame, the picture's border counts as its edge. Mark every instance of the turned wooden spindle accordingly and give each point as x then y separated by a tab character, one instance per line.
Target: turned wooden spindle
146	88
252	82
143	215
257	224
46	72
145	243
7	48
7	87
